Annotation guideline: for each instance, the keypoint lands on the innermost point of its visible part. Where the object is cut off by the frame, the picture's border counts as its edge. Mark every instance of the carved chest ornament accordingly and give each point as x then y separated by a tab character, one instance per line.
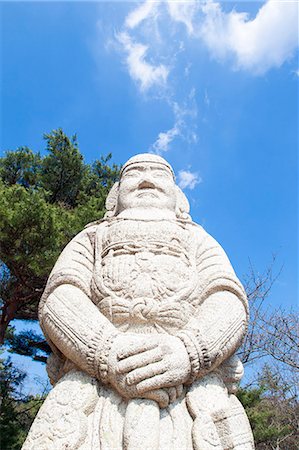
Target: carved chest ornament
145	272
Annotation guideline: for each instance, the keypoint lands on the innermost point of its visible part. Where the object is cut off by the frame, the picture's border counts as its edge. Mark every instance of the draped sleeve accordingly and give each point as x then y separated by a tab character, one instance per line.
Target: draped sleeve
74	265
72	324
219	323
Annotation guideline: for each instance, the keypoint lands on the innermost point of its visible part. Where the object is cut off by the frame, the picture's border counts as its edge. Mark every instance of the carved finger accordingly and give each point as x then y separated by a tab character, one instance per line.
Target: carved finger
136	347
172	392
179	390
156	382
159	395
119	308
139	360
144	373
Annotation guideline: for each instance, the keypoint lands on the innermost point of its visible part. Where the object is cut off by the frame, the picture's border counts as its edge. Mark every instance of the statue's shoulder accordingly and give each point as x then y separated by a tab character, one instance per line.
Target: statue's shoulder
96	225
198	231
89	232
203	239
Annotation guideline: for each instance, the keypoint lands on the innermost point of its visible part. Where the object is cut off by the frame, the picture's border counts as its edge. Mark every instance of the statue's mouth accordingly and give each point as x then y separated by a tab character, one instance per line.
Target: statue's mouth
148	192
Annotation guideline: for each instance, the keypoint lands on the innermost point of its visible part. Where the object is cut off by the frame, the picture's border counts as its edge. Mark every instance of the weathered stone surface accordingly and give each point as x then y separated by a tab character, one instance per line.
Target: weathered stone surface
144	313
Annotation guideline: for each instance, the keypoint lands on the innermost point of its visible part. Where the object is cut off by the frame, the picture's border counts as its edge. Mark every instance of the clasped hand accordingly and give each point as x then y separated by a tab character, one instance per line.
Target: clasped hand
149	366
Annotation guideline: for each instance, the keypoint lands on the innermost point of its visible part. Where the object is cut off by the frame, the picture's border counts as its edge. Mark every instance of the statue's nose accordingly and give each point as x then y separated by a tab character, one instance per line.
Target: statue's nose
146	183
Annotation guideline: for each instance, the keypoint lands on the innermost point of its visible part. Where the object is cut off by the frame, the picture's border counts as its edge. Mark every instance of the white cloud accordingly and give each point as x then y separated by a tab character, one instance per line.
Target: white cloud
141	13
165	138
144	73
187	69
183	12
180	128
187	179
207	98
255	45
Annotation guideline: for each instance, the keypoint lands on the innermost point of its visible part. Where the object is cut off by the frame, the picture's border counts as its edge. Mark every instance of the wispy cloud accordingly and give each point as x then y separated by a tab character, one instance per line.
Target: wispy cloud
188	180
141	71
207	98
165	138
150	49
182	127
255	45
141	13
183	12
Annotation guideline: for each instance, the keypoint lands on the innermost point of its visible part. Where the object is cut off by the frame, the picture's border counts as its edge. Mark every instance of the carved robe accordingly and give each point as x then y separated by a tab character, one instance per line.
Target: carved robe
143	277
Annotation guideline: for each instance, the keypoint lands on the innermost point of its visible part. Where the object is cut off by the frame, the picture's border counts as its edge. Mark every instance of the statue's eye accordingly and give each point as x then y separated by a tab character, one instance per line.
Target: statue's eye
160	174
131	173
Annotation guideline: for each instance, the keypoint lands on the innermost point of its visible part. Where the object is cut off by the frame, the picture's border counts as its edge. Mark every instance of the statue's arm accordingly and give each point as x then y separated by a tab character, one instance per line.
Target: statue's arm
214	333
70	320
77	328
219	324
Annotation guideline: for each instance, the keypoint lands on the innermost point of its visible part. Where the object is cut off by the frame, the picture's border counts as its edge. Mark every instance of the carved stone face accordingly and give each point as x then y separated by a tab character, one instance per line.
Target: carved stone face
147	185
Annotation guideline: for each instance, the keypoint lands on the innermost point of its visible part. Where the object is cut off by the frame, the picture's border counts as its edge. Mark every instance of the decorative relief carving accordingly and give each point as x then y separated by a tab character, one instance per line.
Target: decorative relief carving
143	312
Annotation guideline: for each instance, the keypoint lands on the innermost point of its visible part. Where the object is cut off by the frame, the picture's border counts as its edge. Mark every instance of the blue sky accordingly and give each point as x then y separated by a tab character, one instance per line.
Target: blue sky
211	86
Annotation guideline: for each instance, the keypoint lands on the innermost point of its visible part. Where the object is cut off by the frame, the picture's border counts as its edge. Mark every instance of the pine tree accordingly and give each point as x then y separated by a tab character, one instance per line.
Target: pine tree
44	202
272	408
17	411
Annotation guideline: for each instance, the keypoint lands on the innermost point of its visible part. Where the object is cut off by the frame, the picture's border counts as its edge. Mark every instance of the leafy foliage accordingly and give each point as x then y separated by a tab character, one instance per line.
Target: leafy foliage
21	167
272	408
17	411
44	202
27	343
271	401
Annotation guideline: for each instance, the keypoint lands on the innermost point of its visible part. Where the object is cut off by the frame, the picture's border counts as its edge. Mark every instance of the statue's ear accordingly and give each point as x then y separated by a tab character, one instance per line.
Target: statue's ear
111	200
182	205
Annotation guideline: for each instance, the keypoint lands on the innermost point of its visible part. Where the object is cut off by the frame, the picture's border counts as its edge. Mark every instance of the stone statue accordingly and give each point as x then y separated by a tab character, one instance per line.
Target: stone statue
144	313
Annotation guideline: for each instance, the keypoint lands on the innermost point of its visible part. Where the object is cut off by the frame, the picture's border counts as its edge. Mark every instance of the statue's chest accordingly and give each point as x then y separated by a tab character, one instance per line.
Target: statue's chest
146	260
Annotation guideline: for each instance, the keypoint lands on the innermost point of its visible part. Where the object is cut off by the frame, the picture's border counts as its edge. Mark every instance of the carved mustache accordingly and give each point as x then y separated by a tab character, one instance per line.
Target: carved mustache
146	184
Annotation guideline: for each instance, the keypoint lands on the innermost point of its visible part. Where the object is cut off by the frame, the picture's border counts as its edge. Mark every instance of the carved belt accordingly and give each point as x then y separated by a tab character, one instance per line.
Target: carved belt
146	310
